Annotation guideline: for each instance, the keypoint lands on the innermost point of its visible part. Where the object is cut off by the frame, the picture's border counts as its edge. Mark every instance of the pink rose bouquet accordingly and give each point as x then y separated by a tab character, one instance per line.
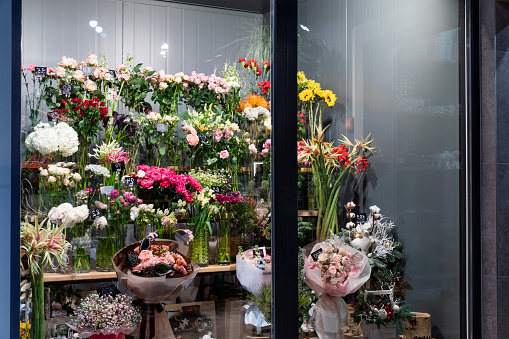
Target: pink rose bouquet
334	270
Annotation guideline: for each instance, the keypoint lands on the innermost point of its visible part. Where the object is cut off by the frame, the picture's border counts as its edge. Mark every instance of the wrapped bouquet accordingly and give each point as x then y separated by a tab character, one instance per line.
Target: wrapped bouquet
155	271
334	270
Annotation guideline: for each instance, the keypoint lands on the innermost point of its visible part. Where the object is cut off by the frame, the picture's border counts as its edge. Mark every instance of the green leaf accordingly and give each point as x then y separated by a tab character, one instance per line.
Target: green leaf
397	254
162	151
166	101
153	141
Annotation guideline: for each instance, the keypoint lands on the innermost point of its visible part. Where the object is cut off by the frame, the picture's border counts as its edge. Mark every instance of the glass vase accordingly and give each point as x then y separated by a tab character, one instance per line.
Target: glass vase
199	246
223	250
81	254
37	325
107	246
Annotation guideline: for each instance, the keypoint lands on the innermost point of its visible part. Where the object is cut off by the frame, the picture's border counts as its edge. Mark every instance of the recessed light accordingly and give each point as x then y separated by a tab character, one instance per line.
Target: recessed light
92	23
99	29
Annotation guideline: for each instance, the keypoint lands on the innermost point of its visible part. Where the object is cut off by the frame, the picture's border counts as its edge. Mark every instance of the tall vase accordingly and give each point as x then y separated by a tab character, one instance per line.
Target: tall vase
107	246
199	246
81	254
223	251
38	329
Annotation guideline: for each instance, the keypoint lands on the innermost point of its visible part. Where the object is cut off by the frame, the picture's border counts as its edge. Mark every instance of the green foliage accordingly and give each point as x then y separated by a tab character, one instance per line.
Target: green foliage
263	299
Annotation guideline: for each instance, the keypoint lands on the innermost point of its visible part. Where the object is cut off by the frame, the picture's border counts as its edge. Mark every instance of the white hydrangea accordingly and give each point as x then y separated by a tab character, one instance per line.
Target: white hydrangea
98	170
135	211
49	140
254	113
68	142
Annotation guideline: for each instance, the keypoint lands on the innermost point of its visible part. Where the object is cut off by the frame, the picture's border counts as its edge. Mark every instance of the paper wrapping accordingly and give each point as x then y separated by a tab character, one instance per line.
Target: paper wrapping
154	290
331	311
249	276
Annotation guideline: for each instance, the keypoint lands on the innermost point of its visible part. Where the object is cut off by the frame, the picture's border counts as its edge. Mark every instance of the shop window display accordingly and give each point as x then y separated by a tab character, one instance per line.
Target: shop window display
146	174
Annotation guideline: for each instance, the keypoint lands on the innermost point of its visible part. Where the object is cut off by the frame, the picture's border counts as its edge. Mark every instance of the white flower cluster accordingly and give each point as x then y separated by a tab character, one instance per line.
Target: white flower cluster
101	152
68	215
100	222
232	82
255	113
181	206
49	140
98	170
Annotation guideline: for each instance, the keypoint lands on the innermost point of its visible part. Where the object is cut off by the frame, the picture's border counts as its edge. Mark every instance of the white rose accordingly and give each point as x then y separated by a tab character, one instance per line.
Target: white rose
52	169
100	222
135	211
52	179
44	173
141	174
76	176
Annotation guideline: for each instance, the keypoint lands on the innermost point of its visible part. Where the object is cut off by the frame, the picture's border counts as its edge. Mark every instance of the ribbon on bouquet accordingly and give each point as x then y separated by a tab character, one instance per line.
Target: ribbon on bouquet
331	315
254	317
154	322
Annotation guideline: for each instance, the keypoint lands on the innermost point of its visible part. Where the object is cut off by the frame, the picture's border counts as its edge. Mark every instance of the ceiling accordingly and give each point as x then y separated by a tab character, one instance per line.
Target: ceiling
255	6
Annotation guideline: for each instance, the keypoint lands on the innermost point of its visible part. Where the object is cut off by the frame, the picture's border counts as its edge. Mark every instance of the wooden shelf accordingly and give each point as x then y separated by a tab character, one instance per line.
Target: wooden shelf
304	213
94	275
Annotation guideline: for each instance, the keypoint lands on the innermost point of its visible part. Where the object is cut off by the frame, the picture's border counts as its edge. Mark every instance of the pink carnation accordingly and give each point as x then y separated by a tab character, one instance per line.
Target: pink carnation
192	139
224	154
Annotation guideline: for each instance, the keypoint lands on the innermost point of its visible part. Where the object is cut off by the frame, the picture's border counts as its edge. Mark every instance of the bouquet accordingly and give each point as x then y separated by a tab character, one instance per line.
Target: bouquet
334	270
105	315
168	282
157	260
254	272
48	140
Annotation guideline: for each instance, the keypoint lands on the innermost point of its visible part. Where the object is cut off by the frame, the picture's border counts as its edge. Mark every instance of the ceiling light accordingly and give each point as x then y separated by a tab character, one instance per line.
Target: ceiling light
98	29
92	23
304	28
164	46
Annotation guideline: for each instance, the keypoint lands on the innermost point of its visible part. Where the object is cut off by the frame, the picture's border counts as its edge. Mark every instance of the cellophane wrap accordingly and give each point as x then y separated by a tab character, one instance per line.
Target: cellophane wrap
250	276
154	290
331	311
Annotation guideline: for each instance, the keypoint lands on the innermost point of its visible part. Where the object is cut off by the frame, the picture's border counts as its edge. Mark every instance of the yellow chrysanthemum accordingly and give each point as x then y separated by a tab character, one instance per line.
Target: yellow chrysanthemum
301	77
306	95
330	98
320	93
313	85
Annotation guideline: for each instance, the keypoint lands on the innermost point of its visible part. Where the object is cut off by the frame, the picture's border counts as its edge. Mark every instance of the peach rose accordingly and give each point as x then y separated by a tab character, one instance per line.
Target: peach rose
89	85
78	75
192	139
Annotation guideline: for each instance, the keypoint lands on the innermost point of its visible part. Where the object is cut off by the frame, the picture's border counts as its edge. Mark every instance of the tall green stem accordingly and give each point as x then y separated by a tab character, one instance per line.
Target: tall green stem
38	322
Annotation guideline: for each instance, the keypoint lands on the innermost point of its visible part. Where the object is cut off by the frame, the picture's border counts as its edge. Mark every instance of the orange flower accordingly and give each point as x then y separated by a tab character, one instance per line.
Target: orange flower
253	101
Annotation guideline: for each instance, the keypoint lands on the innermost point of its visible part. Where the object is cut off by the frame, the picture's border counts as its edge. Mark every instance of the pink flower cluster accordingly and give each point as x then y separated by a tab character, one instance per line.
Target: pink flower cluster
336	265
123	74
149	259
117	156
266	147
165	178
211	82
126	198
192	138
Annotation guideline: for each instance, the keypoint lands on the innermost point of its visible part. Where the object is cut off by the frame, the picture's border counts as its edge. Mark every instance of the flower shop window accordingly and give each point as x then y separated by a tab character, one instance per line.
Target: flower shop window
381	103
146	180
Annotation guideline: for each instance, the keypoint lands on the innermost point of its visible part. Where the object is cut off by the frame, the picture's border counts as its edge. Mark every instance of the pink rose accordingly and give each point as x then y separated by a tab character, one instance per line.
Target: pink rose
188	196
165	184
89	85
192	139
145	255
218	135
163	85
264	151
252	149
224	154
140	201
131	199
228	133
181	189
266	144
147	183
144	168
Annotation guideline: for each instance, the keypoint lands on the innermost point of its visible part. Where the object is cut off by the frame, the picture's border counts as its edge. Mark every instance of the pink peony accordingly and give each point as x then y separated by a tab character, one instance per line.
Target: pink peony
114	194
147	183
140	201
132	199
224	154
192	139
181	189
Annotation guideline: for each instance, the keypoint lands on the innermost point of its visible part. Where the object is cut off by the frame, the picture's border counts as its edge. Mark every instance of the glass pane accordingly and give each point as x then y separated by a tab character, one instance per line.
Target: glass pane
146	145
395	69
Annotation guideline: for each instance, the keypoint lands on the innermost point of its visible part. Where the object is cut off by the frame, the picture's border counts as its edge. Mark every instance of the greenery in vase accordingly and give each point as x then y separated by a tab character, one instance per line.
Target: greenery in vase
158	133
330	165
263	299
226	202
35	92
42	244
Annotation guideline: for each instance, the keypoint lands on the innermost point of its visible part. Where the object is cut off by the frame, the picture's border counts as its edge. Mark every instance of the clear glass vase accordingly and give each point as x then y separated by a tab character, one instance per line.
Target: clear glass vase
223	250
107	246
81	254
199	246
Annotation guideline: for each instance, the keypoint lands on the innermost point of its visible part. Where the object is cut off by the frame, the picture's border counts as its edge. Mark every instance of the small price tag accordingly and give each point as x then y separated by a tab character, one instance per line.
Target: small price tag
260	251
216	189
162	128
130	181
113	73
40	71
118	166
88	70
361	217
67	89
54	115
106	190
316	254
203	138
96	213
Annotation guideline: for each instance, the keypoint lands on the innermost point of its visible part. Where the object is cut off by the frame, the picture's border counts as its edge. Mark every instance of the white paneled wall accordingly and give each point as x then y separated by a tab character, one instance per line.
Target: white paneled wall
199	38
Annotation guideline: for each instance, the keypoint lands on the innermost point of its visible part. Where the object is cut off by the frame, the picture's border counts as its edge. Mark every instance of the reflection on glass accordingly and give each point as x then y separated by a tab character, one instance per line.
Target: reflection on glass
395	68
